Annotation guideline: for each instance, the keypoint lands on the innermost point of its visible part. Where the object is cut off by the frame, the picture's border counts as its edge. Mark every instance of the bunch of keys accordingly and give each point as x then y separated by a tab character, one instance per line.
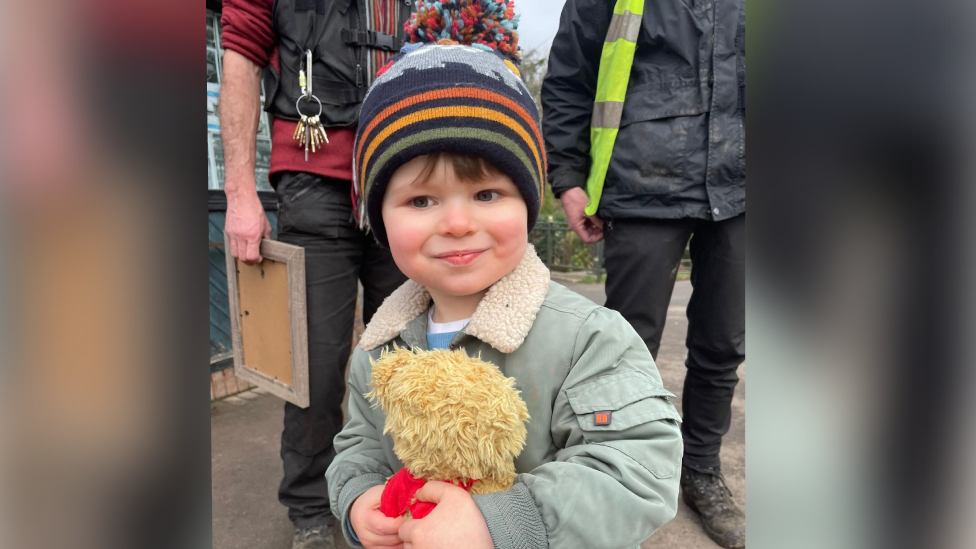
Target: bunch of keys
310	131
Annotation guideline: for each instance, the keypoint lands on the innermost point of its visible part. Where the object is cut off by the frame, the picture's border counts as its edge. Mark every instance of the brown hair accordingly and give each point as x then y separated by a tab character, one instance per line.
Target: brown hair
467	167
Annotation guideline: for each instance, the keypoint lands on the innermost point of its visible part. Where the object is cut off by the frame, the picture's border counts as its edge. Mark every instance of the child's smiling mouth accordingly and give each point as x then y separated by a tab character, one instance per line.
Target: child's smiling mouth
460	258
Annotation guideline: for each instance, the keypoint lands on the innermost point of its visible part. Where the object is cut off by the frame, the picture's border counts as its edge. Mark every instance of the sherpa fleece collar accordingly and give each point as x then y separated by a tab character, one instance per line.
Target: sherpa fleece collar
502	319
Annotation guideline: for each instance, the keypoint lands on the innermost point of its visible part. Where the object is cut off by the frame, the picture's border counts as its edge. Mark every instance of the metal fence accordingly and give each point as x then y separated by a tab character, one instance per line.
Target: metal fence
561	249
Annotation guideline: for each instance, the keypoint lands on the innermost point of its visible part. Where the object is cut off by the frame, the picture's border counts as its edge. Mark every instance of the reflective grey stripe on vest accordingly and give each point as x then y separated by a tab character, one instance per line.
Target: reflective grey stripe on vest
624	25
606	114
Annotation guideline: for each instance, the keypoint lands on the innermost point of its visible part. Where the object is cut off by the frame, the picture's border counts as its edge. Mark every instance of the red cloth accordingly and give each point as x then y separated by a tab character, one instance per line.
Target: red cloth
248	30
398	495
335	160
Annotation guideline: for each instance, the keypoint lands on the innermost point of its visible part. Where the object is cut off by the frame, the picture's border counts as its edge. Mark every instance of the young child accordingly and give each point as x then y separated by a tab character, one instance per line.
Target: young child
450	167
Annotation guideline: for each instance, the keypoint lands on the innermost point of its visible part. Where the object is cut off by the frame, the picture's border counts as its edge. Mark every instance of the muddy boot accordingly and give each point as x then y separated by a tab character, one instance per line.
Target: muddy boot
316	537
707	495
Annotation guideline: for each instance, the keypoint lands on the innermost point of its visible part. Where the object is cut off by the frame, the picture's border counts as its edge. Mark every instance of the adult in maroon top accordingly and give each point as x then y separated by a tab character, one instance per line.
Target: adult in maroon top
315	212
248	31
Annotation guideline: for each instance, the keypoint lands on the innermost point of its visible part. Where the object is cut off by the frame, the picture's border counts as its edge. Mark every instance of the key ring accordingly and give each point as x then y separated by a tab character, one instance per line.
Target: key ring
299	100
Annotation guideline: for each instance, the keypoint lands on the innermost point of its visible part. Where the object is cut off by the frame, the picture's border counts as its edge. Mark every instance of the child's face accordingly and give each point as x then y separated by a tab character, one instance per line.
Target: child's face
454	237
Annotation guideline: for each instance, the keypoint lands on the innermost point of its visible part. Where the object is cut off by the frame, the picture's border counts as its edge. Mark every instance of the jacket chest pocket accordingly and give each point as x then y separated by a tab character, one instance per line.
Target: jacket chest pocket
631	397
624	406
662	131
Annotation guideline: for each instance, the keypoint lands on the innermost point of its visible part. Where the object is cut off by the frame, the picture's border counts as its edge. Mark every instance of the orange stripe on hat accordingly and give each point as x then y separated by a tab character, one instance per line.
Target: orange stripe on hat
475	93
453	111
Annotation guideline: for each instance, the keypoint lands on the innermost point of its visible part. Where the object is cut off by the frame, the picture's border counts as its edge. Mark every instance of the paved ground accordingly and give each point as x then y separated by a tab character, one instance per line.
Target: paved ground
245	468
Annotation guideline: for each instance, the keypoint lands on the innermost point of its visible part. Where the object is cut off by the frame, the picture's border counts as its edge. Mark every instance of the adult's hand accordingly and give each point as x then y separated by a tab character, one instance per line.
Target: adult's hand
373	528
588	227
455	522
246	224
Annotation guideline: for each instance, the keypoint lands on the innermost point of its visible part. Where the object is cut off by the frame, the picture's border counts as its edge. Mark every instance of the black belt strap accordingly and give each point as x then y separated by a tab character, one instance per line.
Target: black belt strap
372	39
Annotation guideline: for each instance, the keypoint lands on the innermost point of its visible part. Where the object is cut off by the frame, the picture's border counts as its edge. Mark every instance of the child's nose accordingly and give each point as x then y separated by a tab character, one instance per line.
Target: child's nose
458	220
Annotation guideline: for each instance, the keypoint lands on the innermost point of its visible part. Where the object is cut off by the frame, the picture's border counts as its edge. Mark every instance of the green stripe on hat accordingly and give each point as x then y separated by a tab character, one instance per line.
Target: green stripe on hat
451	133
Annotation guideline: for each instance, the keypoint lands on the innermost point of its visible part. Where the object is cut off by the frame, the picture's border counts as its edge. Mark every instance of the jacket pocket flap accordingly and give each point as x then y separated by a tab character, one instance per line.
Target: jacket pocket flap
631	398
612	392
649	102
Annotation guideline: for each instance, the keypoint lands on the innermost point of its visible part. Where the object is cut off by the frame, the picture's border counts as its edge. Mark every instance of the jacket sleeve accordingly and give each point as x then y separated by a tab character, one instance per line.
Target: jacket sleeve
609	485
569	88
248	29
360	462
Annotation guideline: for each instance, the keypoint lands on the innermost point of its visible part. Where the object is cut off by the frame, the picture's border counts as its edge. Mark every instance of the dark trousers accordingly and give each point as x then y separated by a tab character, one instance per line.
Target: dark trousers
316	213
642	258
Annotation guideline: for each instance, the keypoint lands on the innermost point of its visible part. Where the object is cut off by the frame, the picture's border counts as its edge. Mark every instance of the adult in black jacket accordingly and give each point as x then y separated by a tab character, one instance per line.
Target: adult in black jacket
677	172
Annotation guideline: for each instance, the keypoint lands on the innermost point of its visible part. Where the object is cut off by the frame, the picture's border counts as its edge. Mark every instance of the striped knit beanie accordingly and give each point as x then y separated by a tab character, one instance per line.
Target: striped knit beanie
455	88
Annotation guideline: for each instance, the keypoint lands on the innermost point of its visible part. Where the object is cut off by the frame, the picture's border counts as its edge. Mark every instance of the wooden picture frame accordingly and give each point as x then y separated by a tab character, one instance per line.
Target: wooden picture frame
269	327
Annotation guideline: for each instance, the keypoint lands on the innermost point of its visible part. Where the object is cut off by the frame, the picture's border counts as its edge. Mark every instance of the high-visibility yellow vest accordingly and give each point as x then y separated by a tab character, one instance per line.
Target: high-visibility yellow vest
611	89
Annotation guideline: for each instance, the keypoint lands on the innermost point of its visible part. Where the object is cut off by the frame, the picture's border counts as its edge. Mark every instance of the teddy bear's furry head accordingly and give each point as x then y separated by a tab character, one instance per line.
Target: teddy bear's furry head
451	417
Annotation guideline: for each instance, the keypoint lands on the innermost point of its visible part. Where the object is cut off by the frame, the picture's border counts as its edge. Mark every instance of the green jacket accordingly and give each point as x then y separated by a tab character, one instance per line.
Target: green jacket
579	484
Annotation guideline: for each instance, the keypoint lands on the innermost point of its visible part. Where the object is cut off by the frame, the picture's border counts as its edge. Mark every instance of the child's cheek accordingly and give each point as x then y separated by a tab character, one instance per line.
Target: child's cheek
406	243
510	233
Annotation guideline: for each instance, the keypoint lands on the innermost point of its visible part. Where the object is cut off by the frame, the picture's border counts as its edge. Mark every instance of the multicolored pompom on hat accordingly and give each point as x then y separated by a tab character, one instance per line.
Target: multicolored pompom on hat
455	88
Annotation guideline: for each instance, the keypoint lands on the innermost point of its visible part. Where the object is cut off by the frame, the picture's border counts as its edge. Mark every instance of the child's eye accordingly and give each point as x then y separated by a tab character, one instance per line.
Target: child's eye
420	202
486	196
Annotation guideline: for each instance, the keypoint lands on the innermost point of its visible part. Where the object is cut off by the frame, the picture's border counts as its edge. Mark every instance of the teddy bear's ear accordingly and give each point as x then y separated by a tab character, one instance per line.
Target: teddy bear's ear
383	370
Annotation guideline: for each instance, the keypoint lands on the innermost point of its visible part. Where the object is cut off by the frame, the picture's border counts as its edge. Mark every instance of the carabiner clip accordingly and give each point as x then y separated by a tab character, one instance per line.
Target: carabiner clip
307	86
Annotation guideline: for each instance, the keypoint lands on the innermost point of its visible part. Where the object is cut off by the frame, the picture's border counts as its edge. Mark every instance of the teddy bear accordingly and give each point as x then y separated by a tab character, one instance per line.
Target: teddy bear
452	418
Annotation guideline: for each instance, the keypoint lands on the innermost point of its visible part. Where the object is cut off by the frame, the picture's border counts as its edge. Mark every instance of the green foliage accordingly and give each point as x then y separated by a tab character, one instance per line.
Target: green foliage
577	251
533	69
567	248
551	208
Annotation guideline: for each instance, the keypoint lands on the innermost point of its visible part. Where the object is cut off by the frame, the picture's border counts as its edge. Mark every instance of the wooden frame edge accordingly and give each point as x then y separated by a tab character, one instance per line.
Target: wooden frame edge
297	394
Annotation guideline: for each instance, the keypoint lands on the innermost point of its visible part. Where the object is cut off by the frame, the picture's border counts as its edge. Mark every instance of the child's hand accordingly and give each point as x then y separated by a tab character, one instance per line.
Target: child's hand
373	528
454	522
